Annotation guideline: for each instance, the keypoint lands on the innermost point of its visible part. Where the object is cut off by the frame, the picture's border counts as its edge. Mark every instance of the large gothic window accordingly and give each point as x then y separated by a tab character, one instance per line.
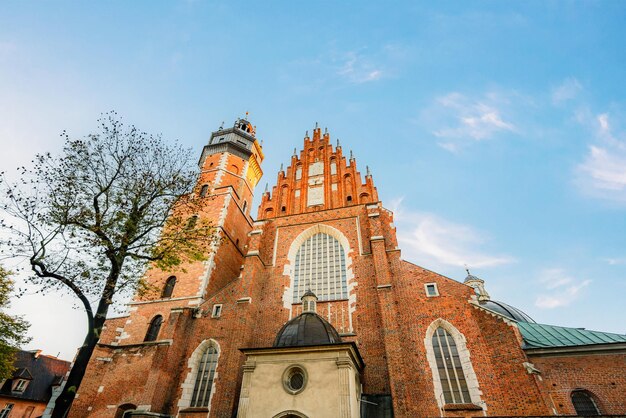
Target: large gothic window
449	367
584	404
204	379
320	265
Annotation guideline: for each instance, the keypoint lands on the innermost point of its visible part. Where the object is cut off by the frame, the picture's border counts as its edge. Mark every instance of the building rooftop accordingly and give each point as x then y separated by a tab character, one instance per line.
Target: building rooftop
548	336
40	370
506	310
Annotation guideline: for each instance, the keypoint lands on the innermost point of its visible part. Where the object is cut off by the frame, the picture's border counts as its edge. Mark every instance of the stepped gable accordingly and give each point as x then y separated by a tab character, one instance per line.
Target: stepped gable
319	178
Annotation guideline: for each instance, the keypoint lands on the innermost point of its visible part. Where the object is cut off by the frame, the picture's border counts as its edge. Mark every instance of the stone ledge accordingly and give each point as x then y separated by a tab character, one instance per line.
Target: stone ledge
462	407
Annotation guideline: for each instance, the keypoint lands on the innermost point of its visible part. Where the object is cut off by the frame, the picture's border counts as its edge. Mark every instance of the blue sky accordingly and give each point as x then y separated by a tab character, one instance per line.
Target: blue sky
494	130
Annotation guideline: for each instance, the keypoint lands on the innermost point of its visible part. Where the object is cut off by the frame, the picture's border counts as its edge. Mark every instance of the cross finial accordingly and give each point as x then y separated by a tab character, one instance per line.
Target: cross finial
467	270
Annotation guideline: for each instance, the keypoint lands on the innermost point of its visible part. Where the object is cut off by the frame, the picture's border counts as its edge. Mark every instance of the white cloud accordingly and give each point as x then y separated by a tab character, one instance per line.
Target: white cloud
616	261
567	90
358	69
459	120
433	241
602	174
560	289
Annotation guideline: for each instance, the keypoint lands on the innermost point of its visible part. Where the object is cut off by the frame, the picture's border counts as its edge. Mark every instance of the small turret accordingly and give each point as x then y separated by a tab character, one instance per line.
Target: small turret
478	285
309	301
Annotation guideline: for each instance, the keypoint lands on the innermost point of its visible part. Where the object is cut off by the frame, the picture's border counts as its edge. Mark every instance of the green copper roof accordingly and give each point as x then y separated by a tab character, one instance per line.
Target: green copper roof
546	336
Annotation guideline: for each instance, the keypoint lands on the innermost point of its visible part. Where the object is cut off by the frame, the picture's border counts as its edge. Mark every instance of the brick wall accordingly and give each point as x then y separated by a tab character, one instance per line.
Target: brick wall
602	374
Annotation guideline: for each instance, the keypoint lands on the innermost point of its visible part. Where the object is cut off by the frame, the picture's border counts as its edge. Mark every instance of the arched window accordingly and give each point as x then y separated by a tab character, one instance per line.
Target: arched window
204	189
584	404
169	287
449	368
204	379
125	410
154	328
320	265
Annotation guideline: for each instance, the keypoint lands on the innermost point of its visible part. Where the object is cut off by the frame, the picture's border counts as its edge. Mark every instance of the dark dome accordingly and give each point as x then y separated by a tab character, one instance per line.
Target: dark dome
506	310
307	328
471	277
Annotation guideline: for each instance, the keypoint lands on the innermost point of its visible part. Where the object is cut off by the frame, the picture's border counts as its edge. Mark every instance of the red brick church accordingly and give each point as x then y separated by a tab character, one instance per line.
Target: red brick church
309	310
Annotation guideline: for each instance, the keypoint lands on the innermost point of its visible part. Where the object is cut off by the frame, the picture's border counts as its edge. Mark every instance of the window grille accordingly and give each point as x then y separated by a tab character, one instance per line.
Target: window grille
449	367
6	410
153	329
321	266
584	404
204	379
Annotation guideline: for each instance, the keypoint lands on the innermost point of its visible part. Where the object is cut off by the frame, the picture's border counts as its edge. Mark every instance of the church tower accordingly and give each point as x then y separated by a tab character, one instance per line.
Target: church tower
230	168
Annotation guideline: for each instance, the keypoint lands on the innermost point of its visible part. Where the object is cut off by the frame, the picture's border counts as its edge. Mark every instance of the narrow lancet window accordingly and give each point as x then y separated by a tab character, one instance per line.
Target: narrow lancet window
154	328
168	289
204	379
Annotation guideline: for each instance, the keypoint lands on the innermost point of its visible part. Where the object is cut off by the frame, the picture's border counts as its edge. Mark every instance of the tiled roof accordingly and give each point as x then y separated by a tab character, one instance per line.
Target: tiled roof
42	371
548	336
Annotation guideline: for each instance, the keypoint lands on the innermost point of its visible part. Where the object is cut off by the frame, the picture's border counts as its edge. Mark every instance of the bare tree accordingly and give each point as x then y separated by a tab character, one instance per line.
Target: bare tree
90	220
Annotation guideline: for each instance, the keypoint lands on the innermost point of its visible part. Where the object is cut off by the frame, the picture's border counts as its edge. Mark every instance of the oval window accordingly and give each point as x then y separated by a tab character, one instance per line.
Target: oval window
294	379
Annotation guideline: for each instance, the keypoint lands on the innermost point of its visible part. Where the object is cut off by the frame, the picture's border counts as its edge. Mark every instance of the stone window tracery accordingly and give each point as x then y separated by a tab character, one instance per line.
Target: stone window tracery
449	368
320	265
204	377
454	379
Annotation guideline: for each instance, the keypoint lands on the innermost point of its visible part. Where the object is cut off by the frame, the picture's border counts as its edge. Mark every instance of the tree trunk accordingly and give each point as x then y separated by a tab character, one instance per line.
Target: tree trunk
65	399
